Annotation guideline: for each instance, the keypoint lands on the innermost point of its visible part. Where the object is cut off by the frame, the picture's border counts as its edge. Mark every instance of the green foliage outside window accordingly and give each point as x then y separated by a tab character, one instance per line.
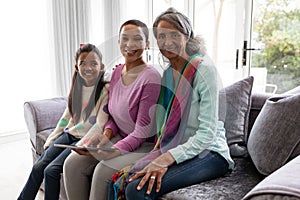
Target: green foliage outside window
276	28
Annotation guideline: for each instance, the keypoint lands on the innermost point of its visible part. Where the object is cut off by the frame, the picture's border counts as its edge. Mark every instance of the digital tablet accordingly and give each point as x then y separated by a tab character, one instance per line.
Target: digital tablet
84	148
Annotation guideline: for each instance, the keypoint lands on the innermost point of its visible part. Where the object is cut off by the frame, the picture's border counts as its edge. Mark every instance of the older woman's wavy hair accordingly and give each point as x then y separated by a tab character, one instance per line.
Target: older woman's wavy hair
195	44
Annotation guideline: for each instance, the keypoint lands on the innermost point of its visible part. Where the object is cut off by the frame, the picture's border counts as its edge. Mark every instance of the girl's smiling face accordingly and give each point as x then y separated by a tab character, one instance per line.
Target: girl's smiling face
89	66
132	42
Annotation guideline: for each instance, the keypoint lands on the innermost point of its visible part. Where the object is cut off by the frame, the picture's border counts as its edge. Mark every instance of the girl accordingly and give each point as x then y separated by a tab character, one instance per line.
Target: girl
87	101
134	90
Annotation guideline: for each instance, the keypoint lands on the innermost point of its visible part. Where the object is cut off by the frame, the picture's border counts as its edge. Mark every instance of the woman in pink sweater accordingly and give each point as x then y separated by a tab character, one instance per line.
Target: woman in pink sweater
134	90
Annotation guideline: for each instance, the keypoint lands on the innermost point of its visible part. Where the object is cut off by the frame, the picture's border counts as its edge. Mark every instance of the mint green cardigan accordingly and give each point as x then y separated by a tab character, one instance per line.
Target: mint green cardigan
204	131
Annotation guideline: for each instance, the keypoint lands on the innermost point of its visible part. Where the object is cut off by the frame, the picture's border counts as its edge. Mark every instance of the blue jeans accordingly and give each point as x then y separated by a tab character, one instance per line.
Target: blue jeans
50	166
208	165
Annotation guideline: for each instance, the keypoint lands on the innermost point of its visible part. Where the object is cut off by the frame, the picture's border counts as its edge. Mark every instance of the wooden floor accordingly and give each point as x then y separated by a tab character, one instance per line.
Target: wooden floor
16	163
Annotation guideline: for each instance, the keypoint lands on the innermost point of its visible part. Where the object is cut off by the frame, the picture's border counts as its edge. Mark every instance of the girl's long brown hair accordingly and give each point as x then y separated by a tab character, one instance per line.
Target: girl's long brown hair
75	95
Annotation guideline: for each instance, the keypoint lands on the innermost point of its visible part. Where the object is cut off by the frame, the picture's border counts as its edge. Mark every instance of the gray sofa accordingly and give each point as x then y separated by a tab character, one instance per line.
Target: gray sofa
41	117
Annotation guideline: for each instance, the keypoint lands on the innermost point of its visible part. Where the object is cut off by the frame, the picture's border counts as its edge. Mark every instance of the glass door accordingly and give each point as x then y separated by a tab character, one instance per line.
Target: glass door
275	45
222	24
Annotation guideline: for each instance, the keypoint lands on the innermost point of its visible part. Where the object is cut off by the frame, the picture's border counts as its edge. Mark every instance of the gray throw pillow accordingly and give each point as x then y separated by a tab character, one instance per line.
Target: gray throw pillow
234	109
275	138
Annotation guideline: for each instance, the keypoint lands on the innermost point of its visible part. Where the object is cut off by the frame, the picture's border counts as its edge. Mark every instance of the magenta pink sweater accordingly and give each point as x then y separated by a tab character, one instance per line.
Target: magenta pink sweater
132	107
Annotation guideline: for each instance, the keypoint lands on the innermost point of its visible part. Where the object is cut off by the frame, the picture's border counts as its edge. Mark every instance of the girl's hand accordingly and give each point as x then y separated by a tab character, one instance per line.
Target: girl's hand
98	140
154	171
106	155
106	136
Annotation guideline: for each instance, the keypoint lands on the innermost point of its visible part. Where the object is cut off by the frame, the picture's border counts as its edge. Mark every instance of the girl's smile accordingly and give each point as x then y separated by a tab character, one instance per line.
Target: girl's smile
89	67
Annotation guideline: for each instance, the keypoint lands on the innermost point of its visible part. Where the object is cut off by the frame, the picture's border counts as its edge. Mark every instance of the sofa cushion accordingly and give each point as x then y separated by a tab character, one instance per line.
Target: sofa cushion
258	101
233	185
274	138
234	109
41	138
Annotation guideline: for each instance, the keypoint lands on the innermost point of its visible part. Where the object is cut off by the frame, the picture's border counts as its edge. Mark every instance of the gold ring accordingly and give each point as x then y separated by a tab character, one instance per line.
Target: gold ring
153	177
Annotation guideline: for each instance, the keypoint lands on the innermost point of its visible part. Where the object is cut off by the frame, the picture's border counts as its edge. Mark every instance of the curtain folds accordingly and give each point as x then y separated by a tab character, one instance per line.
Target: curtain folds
112	13
71	26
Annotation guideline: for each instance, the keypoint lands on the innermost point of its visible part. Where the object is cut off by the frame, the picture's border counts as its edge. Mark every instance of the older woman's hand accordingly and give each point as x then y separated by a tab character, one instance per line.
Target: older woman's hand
154	171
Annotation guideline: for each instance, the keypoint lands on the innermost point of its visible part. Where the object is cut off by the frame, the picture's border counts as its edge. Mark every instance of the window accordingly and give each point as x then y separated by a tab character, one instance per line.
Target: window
25	61
221	23
160	6
276	45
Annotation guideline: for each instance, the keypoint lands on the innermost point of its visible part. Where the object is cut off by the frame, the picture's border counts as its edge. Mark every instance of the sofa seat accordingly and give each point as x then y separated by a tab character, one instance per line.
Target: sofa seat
41	117
233	185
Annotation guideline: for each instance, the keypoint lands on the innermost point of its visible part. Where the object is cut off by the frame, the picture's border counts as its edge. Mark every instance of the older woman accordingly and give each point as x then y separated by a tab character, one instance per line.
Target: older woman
192	146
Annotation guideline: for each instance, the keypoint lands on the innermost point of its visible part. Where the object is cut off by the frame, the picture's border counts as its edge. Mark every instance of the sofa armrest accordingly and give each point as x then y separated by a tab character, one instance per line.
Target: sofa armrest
284	182
43	116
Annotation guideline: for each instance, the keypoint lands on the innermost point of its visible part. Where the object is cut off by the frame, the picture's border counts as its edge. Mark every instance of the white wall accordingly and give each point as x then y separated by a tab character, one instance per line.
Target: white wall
25	59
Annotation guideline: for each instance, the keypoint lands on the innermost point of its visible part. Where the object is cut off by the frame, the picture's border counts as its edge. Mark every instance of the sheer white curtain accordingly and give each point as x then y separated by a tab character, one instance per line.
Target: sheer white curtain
111	13
25	61
71	27
107	16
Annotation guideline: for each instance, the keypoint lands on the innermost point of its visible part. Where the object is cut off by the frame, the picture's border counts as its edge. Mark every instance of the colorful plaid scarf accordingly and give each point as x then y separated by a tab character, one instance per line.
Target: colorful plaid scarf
173	109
